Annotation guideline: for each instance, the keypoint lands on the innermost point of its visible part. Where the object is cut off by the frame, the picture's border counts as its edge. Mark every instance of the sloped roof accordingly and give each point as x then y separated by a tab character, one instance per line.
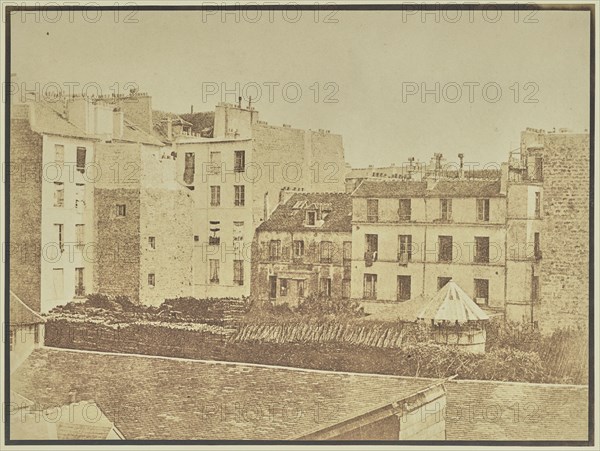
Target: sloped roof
46	120
165	398
132	133
21	314
441	188
287	218
186	406
452	304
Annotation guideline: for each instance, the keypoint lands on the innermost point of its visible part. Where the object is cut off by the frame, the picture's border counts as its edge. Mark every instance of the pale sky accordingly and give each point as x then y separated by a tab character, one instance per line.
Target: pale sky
369	60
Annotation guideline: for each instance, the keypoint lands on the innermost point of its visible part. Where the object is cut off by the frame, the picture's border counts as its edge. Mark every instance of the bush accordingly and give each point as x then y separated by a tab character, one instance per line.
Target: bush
321	307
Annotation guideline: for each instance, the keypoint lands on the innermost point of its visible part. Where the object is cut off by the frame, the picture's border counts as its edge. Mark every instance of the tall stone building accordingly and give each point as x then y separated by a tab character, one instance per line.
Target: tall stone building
235	178
559	162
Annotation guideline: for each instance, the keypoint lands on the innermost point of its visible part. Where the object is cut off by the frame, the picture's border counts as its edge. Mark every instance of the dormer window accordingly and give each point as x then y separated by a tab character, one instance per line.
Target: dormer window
311	218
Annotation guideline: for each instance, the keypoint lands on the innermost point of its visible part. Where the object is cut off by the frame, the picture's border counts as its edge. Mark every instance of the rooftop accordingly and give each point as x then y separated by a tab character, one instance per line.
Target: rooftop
168	398
291	216
441	188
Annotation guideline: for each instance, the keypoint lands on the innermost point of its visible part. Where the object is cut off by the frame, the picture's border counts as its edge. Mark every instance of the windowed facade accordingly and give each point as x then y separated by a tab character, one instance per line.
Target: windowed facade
403	291
59	194
482	289
151	243
326	251
445	209
404	210
444	249
370	286
238	272
215	196
483	210
404	248
482	249
213	268
151	279
372	210
240	195
239	161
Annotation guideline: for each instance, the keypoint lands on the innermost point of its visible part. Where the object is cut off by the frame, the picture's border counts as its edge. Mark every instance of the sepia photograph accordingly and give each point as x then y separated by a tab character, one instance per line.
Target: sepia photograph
298	224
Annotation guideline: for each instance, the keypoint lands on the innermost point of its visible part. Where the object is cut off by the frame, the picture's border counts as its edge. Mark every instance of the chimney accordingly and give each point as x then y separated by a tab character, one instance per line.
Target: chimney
461	173
117	123
191	109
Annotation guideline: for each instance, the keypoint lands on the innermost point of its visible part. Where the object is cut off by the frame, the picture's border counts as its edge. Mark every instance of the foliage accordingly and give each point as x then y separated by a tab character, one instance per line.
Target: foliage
320	307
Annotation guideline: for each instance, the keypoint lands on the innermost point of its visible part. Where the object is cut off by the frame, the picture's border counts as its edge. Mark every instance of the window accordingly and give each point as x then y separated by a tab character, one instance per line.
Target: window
189	168
345	288
404	248
482	249
215	196
239	161
301	288
151	243
79	235
538	205
272	287
275	249
81	159
370	286
59	194
326	251
298	248
214	239
283	287
121	210
325	287
483	210
238	232
60	236
79	283
403	293
444	249
214	270
442	281
538	170
482	289
372	210
371	245
79	196
238	272
535	288
404	210
214	166
311	218
347	253
59	154
445	209
151	280
240	195
537	251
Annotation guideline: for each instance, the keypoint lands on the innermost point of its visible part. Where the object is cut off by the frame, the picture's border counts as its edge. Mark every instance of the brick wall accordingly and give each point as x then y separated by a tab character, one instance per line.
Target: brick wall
25	213
565	231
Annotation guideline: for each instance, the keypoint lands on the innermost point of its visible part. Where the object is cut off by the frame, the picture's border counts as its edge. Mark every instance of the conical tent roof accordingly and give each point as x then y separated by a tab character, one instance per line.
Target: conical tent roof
452	304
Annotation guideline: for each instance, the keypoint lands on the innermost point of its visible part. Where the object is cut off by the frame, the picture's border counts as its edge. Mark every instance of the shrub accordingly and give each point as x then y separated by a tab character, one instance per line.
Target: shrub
320	307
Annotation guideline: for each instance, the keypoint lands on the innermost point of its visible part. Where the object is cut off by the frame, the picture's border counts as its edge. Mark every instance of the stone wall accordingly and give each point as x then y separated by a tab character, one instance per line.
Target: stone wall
25	213
565	230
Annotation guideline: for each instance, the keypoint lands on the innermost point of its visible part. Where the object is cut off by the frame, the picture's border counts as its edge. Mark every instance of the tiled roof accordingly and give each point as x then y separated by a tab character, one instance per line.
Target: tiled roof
287	218
164	398
443	188
21	314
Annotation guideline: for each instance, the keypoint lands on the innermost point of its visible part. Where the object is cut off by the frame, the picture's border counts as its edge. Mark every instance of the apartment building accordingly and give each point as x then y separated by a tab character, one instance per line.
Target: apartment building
304	249
411	237
51	206
235	178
